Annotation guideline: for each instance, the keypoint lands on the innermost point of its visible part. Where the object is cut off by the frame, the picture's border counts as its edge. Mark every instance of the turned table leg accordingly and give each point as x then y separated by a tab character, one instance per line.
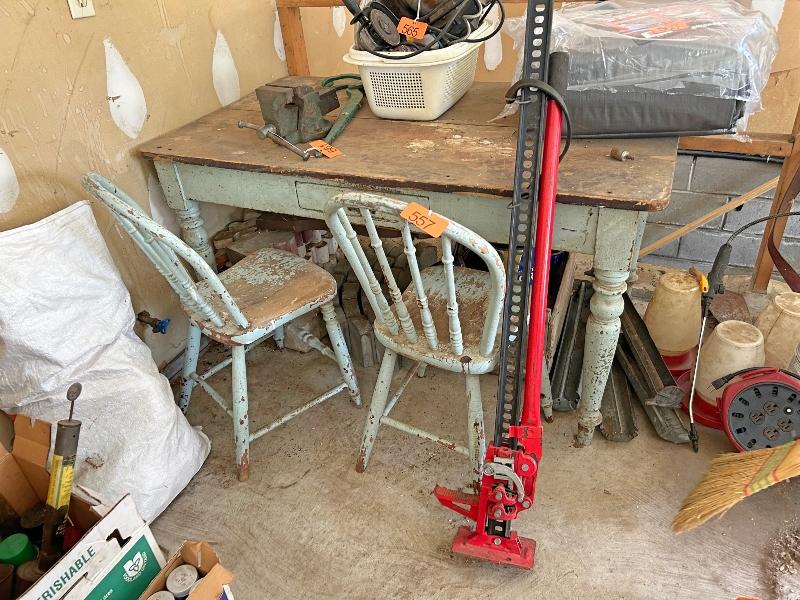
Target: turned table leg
602	333
194	231
192	226
616	250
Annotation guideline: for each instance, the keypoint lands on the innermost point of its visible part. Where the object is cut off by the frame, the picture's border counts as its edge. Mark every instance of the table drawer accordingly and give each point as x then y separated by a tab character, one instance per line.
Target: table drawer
314	196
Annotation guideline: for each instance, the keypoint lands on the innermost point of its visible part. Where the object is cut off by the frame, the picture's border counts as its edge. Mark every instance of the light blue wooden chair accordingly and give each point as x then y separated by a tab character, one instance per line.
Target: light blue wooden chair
437	302
239	308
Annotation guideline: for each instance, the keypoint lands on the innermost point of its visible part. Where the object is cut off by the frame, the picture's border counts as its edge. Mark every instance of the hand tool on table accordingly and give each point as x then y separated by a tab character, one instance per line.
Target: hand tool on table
293	111
355	96
508	481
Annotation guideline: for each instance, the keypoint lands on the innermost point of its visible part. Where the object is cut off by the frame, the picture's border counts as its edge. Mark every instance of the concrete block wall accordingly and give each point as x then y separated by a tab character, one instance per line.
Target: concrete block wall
702	184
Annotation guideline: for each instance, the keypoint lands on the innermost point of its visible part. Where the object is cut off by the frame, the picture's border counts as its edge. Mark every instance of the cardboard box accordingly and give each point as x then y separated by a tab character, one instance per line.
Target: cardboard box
117	556
201	556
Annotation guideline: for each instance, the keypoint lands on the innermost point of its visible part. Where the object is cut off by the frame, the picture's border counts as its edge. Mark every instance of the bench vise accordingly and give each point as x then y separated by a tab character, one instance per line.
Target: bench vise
297	111
294	110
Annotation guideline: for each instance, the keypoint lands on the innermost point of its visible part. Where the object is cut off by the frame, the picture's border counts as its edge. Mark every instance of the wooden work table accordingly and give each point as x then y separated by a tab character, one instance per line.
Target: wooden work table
460	165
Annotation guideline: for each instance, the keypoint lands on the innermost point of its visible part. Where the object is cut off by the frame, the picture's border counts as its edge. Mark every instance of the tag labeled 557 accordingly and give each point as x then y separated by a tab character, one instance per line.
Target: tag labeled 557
429	222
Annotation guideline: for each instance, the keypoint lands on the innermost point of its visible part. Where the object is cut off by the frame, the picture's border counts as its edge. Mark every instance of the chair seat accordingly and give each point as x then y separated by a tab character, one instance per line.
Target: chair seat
473	295
270	287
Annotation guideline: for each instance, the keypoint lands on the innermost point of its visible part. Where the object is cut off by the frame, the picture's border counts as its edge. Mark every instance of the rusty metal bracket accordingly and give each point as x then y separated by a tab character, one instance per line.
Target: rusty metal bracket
619	420
566	376
648	375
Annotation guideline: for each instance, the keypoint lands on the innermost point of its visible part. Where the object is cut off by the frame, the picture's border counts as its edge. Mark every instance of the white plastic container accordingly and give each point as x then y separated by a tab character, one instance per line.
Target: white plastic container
673	315
780	324
731	347
422	87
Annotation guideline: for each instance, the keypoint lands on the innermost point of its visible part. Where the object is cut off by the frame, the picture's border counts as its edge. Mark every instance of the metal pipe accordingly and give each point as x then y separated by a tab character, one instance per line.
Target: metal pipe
778	160
541	266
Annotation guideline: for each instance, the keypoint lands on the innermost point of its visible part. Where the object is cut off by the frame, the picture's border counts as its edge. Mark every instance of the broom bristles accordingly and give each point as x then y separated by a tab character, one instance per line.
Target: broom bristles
733	476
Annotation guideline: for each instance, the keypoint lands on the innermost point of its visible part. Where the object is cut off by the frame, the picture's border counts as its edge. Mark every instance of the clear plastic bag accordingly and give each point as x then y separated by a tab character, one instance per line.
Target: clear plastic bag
714	49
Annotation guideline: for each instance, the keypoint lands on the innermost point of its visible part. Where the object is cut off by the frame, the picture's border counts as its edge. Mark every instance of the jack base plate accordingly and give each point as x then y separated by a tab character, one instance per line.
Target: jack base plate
515	551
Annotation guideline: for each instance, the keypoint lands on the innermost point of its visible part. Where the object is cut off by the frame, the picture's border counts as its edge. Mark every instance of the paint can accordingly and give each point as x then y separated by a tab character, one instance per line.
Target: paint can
181	580
32	522
7	582
162	596
27	574
16	549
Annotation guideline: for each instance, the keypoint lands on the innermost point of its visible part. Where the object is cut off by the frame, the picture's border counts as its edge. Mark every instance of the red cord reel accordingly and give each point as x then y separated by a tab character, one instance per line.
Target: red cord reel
757	408
760	408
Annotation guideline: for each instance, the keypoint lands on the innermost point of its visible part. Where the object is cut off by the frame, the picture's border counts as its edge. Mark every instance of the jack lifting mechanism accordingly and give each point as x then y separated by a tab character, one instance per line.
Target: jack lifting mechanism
508	481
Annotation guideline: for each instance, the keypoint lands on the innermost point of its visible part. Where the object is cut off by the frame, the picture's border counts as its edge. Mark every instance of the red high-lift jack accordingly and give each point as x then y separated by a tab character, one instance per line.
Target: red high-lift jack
508	482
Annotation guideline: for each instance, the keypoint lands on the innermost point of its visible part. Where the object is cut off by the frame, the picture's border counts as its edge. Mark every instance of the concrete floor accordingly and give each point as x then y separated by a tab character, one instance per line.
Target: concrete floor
307	525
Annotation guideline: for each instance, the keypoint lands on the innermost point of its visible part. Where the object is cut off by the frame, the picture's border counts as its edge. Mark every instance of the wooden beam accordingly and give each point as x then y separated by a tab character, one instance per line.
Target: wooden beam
760	144
294	43
780	203
322	3
307	3
713	214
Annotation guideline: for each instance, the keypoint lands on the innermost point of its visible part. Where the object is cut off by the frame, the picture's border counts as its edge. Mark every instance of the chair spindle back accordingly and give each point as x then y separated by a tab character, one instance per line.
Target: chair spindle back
386	211
165	250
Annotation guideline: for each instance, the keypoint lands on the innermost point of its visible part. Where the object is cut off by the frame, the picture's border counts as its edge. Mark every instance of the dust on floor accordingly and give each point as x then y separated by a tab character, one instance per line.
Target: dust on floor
307	525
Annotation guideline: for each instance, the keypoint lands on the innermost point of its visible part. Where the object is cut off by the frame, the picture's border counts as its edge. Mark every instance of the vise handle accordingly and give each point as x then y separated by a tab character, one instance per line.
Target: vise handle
270	131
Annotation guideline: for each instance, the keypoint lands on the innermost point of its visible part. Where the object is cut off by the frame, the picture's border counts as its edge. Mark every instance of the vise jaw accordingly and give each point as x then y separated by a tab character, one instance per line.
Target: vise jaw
296	110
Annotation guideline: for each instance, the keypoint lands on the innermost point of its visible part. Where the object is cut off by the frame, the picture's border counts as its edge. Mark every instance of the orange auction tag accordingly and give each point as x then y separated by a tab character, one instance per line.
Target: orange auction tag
412	29
325	148
428	221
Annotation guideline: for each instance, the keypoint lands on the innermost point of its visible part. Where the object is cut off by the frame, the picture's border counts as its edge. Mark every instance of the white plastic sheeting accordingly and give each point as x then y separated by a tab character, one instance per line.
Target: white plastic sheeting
66	316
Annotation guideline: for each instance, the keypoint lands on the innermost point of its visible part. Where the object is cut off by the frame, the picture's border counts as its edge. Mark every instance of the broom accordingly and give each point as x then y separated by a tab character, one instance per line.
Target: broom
733	476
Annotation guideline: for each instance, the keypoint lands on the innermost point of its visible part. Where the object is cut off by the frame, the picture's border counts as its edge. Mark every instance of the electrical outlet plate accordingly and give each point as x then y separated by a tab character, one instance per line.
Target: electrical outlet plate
81	8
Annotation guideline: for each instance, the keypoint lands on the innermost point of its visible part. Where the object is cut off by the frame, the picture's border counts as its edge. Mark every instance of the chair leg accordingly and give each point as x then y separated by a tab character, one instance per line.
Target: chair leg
376	407
476	434
340	350
241	425
189	365
279	336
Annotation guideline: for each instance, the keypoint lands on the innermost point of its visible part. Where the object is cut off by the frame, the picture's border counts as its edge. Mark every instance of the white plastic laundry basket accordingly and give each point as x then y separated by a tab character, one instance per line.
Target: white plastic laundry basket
422	87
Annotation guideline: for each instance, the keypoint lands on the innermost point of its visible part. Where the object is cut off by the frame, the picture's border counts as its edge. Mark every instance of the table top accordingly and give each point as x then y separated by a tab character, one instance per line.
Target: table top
461	152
